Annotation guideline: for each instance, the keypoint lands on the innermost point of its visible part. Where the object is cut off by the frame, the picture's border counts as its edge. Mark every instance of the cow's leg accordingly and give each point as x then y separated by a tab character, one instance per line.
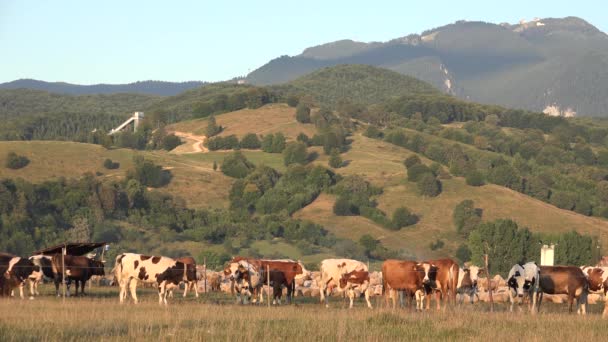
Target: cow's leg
56	281
31	286
367	295
132	289
605	313
323	297
511	299
351	297
161	291
122	294
21	286
428	300
195	285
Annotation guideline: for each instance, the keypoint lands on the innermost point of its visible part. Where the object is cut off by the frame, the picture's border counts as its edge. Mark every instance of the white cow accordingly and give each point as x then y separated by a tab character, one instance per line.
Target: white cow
332	271
524	280
44	262
165	272
467	282
597	278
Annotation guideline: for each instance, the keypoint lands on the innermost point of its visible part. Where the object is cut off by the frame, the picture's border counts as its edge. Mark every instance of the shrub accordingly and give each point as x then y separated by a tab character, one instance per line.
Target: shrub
15	161
149	174
373	132
563	200
293	100
416	172
504	175
236	165
295	152
303	114
377	216
111	165
278	143
250	141
212	127
429	185
438	244
466	217
475	178
411	161
171	141
335	160
402	217
222	143
463	253
304	138
343	207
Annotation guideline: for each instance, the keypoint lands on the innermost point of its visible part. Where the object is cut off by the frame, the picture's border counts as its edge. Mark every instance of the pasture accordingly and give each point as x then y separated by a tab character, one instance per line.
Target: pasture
215	317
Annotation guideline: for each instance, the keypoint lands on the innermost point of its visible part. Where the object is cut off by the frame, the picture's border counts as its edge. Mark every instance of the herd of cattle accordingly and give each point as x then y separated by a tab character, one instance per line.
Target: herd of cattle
414	281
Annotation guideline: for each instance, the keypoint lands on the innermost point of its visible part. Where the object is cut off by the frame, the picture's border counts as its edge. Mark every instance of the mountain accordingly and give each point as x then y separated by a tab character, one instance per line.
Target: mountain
142	87
559	66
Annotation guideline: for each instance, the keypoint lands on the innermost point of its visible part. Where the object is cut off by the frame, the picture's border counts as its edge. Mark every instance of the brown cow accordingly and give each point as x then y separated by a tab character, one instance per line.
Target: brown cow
446	281
597	278
356	280
77	268
568	280
401	275
191	281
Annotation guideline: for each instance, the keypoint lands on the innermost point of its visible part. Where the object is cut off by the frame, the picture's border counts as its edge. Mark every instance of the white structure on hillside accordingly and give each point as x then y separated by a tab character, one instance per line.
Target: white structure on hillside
547	255
137	116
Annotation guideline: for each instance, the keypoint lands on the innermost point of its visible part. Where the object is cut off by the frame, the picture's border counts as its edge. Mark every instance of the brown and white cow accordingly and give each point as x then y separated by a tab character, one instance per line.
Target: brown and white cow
77	268
568	280
446	281
467	282
597	278
131	268
407	276
356	280
332	271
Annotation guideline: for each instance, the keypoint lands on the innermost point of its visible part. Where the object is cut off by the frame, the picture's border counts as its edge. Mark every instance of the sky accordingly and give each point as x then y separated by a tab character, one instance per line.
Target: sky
122	41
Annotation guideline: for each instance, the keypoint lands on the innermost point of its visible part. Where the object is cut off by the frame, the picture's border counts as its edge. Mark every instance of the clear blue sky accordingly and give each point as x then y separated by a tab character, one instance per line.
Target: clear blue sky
119	41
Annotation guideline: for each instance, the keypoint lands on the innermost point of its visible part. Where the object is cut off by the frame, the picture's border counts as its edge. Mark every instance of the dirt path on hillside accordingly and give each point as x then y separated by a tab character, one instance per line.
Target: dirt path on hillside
198	146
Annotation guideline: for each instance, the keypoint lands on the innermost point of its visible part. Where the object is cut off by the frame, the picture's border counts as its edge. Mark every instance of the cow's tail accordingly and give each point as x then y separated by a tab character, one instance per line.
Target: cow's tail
117	271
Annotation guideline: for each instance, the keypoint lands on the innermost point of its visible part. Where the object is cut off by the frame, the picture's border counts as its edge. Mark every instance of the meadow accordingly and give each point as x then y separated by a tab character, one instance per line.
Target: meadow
215	317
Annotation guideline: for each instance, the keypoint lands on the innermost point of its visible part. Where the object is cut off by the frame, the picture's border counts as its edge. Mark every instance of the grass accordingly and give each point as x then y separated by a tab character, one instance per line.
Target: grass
215	317
270	118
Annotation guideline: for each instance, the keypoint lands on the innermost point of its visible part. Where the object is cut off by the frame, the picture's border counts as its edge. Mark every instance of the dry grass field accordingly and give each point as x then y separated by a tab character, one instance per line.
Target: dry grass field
270	118
214	317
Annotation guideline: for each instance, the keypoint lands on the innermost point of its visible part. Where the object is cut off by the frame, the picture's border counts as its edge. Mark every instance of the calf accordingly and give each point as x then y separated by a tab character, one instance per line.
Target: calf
408	276
524	281
356	280
467	283
568	280
446	281
130	268
332	271
597	277
77	268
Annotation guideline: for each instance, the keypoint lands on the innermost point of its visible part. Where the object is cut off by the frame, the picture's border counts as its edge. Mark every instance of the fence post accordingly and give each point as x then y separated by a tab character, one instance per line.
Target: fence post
268	282
63	251
205	272
489	283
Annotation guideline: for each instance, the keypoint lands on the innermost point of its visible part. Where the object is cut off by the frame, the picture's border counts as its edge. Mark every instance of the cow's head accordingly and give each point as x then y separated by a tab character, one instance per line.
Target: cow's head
345	278
474	273
595	278
98	267
428	271
518	282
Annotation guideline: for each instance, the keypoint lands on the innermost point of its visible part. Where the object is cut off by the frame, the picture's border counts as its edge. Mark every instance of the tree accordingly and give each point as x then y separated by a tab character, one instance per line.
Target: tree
415	172
110	165
343	207
304	138
236	165
463	253
267	143
293	100
330	141
14	161
373	132
402	217
429	185
411	161
295	152
212	127
148	174
505	175
171	141
475	178
250	141
368	243
335	160
303	114
278	143
563	200
466	217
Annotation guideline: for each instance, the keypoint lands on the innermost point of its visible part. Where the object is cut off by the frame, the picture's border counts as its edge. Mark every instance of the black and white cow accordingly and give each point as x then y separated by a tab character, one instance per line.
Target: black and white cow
44	262
165	272
16	272
524	280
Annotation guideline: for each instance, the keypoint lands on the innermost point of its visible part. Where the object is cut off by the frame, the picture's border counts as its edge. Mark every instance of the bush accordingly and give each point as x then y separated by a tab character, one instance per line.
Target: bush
222	143
295	152
438	244
475	178
416	172
373	132
335	160
250	141
463	253
303	114
466	217
402	217
278	143
111	165
149	174
14	161
171	141
504	175
293	100
377	216
236	165
411	161
563	200
304	139
343	207
429	185
212	127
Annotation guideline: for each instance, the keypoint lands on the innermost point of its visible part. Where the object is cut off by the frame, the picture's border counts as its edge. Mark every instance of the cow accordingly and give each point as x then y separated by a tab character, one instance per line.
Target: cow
446	281
568	280
77	268
332	271
289	268
191	275
46	270
524	281
17	270
407	276
467	283
358	280
246	281
597	277
130	268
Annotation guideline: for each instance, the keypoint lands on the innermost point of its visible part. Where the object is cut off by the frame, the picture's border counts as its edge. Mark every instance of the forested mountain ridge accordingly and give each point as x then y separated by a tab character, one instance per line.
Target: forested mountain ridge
160	88
554	65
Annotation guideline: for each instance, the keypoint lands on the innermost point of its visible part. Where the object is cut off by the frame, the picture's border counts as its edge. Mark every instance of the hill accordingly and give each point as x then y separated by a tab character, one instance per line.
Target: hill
159	88
557	65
